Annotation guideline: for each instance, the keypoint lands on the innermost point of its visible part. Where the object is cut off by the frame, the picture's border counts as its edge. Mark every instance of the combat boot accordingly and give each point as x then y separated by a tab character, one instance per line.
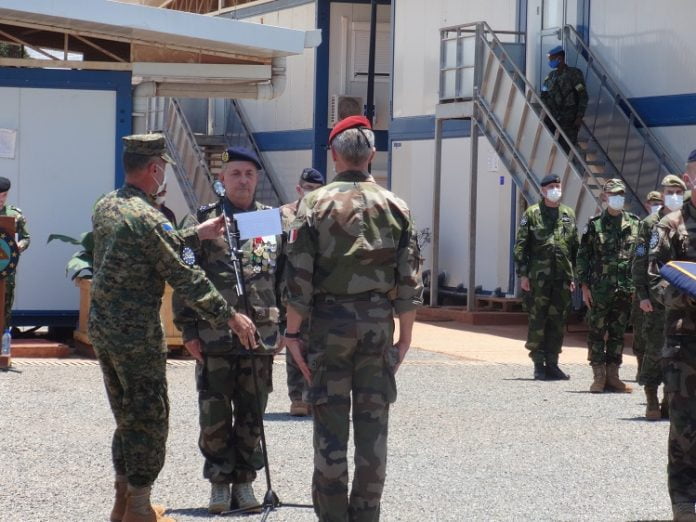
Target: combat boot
139	509
683	512
652	409
600	378
219	498
243	498
539	371
299	409
121	487
613	382
554	373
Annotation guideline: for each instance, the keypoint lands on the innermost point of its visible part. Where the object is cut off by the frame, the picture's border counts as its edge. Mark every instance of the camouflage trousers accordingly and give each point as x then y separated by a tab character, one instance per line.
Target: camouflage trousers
609	316
136	385
228	415
637	321
351	357
9	299
653	338
296	382
548	303
680	386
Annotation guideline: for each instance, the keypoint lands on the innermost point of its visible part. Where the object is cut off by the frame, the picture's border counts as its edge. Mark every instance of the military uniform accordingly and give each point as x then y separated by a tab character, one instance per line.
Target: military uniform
674	238
604	264
565	95
296	382
227	400
353	261
135	251
545	250
23	240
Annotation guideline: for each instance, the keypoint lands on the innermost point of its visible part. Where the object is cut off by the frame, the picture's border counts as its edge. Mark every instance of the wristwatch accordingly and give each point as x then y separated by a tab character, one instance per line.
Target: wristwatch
289	335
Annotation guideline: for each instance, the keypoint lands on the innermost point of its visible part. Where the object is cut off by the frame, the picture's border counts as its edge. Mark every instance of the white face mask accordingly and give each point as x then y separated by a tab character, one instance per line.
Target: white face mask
654	209
159	200
160	188
674	201
616	202
554	194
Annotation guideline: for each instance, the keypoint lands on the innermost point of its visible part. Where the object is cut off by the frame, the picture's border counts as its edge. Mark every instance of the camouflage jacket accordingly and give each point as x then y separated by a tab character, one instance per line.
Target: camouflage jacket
135	251
262	265
288	213
674	238
606	251
640	261
352	237
21	230
547	243
565	95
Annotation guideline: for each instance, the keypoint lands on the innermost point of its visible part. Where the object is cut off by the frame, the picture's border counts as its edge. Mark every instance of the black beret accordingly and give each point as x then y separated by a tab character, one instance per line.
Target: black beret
311	175
241	154
692	156
4	184
551	178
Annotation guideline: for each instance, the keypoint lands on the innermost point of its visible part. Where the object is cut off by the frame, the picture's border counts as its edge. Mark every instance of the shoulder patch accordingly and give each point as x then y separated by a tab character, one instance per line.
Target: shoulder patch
167	227
654	238
187	256
523	221
640	250
565	218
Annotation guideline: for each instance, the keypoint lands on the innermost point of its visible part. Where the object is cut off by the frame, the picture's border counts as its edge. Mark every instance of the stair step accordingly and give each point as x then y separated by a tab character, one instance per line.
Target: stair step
596	162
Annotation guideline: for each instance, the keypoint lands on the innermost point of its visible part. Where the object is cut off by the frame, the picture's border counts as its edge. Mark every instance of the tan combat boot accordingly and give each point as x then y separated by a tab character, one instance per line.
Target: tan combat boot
613	382
243	498
652	409
683	512
600	378
139	509
121	486
299	409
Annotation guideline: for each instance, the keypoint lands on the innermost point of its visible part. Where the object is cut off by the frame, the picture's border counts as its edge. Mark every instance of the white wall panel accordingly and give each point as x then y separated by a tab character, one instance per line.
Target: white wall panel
648	46
417	48
412	167
287	166
9	119
294	108
679	140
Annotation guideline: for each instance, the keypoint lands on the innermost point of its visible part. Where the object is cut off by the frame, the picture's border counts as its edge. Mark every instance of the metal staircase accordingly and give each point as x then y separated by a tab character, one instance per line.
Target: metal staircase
479	79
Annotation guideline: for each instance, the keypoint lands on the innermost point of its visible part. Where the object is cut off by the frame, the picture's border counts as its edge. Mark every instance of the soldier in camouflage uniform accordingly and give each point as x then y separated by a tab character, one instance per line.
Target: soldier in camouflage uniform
135	251
564	94
649	328
674	238
653	205
604	263
23	240
545	250
310	180
353	262
227	399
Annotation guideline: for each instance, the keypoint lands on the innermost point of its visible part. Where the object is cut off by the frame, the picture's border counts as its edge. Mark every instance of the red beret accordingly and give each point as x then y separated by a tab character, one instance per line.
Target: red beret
351	122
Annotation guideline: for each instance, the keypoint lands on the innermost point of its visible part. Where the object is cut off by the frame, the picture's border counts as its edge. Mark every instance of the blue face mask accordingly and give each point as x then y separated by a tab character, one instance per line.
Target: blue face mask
554	63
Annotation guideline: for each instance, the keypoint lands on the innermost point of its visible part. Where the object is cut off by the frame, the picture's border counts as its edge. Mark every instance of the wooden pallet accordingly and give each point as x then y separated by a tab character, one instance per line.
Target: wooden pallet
500	304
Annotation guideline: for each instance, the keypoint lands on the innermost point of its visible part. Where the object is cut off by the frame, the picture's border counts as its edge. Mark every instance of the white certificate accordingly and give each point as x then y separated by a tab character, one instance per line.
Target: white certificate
259	223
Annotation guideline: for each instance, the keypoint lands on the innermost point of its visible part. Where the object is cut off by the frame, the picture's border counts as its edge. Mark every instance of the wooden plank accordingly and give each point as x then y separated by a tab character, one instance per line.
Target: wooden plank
64	64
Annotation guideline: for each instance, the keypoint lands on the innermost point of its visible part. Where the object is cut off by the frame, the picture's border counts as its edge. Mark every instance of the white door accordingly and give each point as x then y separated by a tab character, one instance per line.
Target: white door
64	160
545	18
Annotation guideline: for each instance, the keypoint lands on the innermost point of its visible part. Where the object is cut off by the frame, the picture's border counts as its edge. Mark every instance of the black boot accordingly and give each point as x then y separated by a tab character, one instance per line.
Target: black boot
539	371
554	373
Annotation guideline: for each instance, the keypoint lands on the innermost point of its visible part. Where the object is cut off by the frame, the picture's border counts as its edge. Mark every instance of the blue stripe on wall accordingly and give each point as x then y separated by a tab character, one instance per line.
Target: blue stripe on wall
666	111
303	139
423	128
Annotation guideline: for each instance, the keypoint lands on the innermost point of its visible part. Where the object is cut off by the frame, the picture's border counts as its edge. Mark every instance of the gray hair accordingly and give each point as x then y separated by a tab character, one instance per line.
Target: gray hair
354	145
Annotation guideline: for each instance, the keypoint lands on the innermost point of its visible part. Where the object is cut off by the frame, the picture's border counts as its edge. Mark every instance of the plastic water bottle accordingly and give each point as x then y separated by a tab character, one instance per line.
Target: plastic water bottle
6	343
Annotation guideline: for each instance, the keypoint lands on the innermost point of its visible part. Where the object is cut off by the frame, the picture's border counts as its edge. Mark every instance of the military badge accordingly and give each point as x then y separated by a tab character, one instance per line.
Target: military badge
654	238
225	157
565	219
9	254
523	221
188	257
640	250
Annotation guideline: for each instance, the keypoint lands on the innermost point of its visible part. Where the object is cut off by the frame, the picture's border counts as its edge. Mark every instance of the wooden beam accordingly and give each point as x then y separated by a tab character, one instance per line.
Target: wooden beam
26	44
99	48
64	64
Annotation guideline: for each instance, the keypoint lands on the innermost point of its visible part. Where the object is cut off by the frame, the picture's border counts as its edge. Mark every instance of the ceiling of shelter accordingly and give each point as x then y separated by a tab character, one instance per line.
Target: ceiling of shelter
191	6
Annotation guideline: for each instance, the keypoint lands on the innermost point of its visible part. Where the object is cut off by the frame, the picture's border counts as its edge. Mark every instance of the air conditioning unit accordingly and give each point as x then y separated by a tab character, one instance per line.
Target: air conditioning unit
343	106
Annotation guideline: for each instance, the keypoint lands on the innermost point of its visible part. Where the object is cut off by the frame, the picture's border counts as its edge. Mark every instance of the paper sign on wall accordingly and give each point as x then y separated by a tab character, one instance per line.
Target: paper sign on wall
8	140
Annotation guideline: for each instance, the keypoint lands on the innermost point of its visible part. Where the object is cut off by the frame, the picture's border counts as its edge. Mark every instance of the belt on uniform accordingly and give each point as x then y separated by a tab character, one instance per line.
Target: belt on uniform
348	298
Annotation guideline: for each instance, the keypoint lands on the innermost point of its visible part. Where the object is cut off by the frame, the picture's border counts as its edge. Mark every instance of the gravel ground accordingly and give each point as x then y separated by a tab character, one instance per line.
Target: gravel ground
467	441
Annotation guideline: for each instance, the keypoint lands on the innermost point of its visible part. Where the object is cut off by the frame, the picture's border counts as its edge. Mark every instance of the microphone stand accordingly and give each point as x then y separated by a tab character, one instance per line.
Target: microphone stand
270	502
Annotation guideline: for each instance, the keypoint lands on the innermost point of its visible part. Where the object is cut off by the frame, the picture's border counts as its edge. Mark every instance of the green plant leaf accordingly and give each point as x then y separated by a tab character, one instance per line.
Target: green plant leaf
66	239
87	240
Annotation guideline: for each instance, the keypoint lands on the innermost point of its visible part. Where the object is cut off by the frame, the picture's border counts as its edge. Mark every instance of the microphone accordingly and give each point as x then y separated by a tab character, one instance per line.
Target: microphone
219	188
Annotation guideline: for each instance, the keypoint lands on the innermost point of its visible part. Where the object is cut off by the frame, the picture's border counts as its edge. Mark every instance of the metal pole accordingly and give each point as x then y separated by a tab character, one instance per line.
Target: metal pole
473	184
370	104
435	250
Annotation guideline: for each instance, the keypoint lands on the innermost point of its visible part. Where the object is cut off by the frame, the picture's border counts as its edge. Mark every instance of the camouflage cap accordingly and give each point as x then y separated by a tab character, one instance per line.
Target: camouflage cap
148	145
672	180
614	185
654	195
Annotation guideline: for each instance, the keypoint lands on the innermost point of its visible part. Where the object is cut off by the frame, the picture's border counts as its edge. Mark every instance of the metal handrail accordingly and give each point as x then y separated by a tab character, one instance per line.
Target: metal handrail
616	93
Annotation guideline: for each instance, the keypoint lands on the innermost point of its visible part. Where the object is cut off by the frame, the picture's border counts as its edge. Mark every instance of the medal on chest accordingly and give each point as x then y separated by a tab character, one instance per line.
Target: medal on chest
264	253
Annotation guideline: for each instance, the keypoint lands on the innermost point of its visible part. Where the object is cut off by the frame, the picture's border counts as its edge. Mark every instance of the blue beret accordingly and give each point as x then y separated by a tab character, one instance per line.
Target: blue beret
241	154
556	50
692	156
311	175
551	178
